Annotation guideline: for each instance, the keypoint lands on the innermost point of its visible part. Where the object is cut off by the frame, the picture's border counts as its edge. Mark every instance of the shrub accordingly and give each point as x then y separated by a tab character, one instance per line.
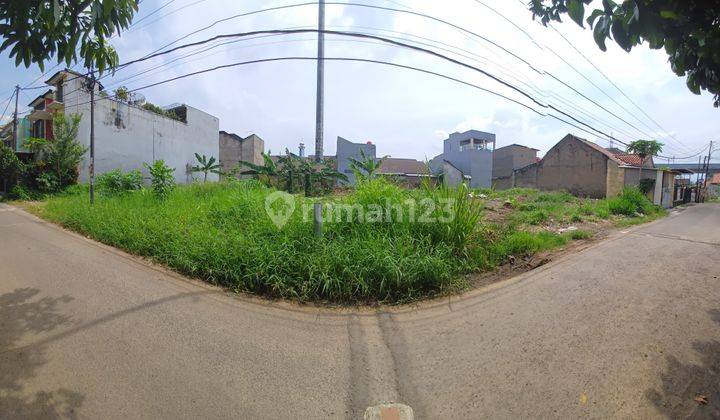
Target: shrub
631	202
10	166
162	177
117	182
48	182
577	235
18	192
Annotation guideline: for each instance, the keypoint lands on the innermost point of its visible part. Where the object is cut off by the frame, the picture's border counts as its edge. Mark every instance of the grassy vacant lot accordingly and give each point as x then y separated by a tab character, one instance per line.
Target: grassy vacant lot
221	233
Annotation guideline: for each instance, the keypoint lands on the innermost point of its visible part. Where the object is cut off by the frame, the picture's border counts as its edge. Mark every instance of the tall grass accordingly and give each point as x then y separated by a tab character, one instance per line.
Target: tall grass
221	233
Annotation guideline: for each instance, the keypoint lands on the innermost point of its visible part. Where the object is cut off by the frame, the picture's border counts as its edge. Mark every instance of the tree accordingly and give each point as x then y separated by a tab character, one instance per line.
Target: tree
689	30
60	156
162	179
644	149
40	29
265	172
10	166
206	166
366	167
319	176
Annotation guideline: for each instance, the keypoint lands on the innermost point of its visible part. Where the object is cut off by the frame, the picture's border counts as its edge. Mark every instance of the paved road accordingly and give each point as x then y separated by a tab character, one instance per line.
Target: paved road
627	328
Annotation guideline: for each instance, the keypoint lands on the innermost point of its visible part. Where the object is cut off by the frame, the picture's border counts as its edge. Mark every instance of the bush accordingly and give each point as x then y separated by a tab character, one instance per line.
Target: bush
18	192
48	182
631	202
163	180
116	182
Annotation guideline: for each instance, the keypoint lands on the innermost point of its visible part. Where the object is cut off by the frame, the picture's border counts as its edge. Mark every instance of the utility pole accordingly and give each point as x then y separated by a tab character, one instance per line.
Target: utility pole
707	169
91	84
15	119
320	98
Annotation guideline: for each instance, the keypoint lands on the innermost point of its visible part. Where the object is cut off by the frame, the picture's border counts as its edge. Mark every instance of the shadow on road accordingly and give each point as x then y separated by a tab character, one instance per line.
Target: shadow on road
23	313
683	383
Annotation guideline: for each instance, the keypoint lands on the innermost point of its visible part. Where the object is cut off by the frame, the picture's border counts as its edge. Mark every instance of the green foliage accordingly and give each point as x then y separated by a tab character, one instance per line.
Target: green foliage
631	202
56	163
10	166
206	166
688	30
646	185
578	235
122	94
48	182
18	192
366	167
292	173
162	179
39	30
116	182
158	110
645	148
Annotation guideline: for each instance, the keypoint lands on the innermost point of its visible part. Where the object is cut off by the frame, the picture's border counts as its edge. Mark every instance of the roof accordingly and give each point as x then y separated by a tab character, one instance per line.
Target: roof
619	158
42	96
632	160
53	80
403	166
715	179
518	145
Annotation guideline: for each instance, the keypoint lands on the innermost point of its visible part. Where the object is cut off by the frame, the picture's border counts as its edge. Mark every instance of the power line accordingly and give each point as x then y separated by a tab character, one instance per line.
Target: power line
9	100
616	86
571	66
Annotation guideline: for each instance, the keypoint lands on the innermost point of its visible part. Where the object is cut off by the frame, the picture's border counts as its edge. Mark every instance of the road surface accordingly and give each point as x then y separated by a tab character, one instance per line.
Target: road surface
629	327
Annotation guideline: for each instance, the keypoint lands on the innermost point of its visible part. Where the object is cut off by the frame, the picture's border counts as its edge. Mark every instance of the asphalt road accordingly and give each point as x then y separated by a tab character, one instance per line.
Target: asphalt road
629	327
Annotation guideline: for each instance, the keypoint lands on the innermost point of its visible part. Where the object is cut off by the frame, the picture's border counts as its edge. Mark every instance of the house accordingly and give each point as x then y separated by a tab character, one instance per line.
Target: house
234	149
508	158
347	150
586	169
714	186
127	134
408	172
469	157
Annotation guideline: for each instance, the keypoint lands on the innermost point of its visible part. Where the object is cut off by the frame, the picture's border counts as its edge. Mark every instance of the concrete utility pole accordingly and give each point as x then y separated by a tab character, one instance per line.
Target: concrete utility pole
707	169
15	119
320	98
91	84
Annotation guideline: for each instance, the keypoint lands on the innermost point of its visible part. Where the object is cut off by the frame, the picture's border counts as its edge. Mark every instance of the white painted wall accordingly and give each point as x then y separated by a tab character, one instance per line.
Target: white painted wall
127	136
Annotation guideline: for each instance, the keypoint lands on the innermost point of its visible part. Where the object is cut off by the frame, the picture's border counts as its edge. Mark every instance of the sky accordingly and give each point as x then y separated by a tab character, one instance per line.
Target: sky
406	113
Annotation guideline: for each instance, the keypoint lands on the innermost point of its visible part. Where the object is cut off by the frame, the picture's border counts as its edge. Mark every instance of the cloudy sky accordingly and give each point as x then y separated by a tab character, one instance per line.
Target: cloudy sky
405	112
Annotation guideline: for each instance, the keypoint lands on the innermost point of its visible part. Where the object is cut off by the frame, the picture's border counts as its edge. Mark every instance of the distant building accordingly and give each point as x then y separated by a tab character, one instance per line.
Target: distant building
127	135
234	149
586	169
469	156
408	172
347	150
506	160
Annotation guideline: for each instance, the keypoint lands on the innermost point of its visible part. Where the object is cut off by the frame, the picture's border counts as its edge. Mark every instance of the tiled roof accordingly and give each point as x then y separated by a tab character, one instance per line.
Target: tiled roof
715	179
633	160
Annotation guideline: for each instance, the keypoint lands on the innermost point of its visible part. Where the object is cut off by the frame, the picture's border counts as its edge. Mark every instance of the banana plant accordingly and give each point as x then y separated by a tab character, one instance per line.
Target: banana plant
206	166
266	173
366	167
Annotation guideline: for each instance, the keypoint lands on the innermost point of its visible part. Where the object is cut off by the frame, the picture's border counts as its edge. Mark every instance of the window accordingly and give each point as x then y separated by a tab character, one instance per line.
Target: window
39	129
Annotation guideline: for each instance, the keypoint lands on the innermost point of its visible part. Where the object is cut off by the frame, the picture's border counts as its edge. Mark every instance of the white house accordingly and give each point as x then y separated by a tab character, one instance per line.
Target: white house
126	134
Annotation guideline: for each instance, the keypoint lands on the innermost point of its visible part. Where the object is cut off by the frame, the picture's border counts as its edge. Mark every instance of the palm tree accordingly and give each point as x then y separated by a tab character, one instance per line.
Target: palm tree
644	149
206	166
366	167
